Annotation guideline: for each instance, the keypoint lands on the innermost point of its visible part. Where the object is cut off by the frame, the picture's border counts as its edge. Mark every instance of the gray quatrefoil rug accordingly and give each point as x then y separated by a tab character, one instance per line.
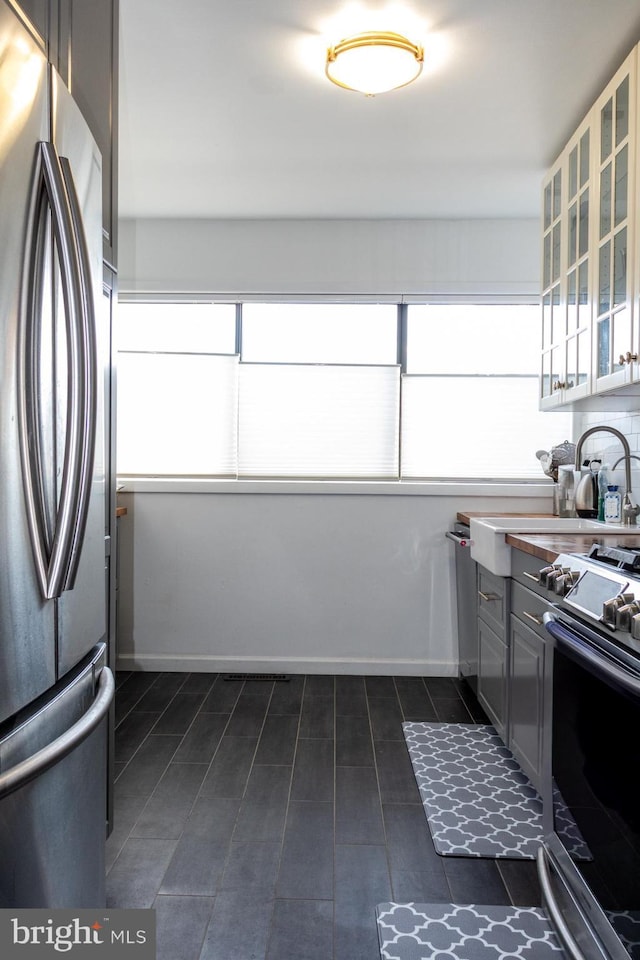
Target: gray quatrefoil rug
477	800
422	931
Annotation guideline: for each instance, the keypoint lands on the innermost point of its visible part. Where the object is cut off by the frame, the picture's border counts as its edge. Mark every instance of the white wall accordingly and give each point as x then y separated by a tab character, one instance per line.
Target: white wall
317	583
375	257
356	582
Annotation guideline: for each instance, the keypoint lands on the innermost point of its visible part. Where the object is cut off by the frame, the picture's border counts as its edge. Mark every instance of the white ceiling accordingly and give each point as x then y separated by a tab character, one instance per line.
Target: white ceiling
225	111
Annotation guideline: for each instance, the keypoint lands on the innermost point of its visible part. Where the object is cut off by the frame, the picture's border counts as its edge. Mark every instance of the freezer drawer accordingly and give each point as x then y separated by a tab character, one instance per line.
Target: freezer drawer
53	785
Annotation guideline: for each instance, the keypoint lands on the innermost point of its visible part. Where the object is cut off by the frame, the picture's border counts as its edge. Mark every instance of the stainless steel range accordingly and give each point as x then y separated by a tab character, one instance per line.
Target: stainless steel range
601	587
590	873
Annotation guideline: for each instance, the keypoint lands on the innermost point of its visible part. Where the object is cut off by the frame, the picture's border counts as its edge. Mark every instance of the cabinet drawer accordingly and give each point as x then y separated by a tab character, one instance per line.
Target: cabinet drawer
494	600
528	607
525	569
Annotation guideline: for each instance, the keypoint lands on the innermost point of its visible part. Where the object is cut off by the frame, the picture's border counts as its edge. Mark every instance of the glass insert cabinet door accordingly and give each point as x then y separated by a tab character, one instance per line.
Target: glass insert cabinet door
566	273
578	262
616	336
553	316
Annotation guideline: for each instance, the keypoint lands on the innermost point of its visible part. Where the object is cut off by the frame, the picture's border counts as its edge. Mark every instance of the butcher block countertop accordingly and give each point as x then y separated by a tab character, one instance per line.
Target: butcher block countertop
547	546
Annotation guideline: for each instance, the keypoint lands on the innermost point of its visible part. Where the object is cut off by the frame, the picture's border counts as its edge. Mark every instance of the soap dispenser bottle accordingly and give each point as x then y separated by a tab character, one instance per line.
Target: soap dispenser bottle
603	486
612	505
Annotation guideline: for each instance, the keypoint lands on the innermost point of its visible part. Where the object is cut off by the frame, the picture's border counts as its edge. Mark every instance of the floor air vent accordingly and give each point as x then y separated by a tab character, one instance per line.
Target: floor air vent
255	676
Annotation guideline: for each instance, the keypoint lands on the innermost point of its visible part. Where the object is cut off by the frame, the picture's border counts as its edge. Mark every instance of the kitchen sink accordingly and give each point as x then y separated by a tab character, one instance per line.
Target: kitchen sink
551	525
491	550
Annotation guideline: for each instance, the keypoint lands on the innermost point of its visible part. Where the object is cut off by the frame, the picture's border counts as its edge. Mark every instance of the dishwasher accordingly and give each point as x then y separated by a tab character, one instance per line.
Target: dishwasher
466	603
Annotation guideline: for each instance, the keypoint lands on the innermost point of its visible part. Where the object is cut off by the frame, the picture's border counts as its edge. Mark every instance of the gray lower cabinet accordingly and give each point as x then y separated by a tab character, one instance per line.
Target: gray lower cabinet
493	650
526	681
492	676
527	662
512	658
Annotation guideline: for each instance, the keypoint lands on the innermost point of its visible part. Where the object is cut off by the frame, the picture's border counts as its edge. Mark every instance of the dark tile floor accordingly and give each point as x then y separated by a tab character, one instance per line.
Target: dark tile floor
265	820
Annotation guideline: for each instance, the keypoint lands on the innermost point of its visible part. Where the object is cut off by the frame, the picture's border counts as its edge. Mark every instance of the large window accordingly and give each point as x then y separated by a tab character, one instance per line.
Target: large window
470	393
329	391
319	391
177	389
319	333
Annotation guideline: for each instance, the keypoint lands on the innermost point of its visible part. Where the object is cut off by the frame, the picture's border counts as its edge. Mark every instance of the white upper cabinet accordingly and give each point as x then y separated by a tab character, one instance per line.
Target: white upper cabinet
590	269
566	274
616	336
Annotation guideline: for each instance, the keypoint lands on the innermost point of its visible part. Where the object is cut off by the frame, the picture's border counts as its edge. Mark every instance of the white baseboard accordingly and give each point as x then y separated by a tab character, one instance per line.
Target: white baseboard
311	665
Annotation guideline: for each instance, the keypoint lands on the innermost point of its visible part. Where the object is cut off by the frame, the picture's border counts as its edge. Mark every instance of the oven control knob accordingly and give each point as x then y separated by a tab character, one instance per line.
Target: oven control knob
635	626
610	607
560	583
547	574
624	615
551	574
563	583
557	578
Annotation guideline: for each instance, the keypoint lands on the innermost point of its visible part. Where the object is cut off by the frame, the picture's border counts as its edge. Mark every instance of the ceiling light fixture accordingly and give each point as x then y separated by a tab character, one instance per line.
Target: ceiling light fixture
374	62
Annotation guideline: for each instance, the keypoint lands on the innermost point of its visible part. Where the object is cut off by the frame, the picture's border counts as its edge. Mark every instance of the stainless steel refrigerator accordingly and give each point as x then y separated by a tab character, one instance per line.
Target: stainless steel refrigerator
55	686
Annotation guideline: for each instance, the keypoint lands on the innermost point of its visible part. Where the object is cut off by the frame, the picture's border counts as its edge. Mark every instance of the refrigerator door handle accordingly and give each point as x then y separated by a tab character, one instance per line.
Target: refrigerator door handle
37	764
88	410
28	366
52	551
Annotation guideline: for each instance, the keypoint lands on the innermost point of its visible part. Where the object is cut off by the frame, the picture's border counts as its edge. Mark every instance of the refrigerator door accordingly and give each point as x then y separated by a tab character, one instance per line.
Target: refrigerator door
82	607
27	627
53	794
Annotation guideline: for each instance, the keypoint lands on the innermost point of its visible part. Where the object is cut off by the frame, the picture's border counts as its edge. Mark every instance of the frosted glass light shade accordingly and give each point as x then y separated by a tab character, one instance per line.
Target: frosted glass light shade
374	62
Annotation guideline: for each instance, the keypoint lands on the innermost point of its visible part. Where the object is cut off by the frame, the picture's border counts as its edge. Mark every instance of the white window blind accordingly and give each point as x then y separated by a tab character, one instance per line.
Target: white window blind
316	393
470	396
319	333
179	327
473	338
177	414
476	427
318	421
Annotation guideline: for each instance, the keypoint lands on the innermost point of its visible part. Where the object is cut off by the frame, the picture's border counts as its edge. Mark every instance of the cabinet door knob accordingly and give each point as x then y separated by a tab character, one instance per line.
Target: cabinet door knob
489	596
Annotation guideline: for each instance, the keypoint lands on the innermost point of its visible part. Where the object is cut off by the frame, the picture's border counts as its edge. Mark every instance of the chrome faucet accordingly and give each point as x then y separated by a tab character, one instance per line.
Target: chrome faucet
630	508
631	456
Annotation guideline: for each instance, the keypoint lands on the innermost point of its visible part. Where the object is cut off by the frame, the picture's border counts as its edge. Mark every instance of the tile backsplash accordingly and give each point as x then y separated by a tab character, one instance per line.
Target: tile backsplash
628	423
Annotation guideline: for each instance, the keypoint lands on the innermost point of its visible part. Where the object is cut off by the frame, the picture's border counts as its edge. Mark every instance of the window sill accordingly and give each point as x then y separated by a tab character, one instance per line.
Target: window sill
404	488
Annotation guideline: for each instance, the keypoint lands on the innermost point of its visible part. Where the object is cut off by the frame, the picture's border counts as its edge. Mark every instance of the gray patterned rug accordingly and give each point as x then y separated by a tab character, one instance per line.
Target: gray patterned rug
477	800
626	924
421	931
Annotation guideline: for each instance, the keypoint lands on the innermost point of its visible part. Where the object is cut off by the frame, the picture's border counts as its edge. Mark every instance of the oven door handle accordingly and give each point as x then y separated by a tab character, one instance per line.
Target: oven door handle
553	908
595	661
